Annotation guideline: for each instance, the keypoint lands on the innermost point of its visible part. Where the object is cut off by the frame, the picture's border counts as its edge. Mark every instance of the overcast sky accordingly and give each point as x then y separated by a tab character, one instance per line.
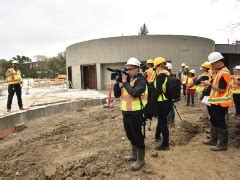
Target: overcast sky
46	27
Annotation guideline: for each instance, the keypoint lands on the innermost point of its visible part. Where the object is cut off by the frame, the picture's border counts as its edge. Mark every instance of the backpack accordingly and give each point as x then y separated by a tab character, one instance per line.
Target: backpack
173	88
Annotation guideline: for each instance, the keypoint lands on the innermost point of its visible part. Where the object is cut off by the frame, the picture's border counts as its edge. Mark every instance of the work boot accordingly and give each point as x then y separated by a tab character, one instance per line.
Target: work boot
132	156
8	110
222	141
213	137
140	160
162	147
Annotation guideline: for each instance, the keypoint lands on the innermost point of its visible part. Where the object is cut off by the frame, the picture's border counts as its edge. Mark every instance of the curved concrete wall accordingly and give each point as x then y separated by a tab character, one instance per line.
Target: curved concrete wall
176	48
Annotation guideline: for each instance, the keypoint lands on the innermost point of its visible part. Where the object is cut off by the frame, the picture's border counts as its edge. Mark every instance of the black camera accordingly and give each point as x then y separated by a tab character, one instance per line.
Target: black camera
117	74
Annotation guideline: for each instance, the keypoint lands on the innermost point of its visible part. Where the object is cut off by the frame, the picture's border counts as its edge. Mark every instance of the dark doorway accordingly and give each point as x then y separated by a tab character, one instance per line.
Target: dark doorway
89	77
70	77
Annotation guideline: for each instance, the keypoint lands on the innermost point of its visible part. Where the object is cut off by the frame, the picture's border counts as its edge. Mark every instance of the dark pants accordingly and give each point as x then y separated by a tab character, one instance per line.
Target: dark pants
163	107
190	96
236	98
12	88
184	89
171	116
133	128
218	116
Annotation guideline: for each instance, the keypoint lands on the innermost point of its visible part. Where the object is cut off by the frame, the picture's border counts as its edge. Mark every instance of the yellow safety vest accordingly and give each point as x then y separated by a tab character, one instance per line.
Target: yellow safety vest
162	97
236	90
190	82
200	87
14	78
223	99
184	78
129	103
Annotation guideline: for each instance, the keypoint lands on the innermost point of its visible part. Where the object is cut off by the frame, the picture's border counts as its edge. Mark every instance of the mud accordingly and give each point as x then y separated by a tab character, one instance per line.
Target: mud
90	143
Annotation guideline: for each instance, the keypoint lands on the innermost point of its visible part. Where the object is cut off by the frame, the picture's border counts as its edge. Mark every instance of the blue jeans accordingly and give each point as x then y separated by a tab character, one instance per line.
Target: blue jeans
171	116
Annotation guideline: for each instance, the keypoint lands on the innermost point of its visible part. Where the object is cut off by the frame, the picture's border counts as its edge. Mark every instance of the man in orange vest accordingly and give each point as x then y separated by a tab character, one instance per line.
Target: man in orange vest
133	94
14	80
220	99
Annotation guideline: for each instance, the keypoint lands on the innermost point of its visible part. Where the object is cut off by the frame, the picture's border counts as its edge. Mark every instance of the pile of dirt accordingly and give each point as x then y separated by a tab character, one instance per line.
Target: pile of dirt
91	143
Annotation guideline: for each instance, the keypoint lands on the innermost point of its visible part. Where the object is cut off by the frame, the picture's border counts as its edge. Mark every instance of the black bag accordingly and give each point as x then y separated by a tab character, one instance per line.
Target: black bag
173	88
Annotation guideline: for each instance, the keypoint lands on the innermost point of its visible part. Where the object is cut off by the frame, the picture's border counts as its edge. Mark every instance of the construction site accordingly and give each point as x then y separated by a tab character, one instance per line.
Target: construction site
70	134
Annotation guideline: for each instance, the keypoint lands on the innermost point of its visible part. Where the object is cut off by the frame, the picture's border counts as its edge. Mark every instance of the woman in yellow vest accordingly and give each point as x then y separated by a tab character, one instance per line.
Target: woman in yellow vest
220	99
164	105
14	80
190	87
202	91
133	94
236	89
184	78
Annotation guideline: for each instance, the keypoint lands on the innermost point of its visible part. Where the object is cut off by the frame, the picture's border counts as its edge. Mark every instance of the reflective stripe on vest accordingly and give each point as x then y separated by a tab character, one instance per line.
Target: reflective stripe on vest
129	103
14	78
222	99
162	97
236	90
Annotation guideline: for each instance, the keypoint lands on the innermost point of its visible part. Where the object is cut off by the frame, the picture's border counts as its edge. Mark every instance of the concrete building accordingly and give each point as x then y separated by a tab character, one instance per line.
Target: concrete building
87	61
231	53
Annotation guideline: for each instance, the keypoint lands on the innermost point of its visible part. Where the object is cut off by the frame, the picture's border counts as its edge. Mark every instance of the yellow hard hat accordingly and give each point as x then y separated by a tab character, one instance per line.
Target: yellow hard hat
158	60
206	64
150	61
186	67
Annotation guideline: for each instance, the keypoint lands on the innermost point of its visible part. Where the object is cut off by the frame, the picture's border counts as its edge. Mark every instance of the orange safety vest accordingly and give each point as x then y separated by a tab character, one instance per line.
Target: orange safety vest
150	75
223	99
129	103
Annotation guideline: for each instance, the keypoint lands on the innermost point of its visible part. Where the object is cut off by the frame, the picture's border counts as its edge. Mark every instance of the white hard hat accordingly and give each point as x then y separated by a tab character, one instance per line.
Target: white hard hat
192	71
237	67
133	61
15	62
214	57
183	64
169	66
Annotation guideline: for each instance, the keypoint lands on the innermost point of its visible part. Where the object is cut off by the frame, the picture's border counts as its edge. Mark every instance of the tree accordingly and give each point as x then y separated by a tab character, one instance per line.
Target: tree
143	30
4	65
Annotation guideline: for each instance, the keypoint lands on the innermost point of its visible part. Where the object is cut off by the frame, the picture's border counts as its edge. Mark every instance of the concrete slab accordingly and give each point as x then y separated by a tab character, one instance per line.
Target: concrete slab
41	102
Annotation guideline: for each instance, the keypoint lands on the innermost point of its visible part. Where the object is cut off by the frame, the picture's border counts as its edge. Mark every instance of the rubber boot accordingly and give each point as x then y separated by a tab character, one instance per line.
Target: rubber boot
132	156
213	137
222	141
140	160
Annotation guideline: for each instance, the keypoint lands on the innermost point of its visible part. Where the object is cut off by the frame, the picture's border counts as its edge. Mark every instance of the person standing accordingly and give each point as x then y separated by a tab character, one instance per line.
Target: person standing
236	89
133	94
205	69
220	99
164	105
190	87
14	80
184	79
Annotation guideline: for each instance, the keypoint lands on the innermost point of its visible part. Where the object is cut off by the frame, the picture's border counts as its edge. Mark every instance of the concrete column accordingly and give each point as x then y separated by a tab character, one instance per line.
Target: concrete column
99	78
76	77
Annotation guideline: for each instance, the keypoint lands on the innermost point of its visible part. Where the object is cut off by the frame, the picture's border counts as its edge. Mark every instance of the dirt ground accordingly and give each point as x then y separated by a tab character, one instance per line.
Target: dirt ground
90	143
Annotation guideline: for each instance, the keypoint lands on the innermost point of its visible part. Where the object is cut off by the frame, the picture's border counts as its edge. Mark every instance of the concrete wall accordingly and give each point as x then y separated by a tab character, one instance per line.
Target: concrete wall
189	49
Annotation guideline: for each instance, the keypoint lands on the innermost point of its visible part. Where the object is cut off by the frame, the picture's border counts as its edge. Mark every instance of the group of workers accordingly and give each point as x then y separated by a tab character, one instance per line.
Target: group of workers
142	93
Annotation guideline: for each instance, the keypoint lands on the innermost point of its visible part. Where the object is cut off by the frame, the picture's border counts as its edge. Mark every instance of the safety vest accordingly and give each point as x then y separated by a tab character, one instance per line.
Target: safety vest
200	87
184	78
14	78
161	97
190	81
235	90
129	103
150	75
223	99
